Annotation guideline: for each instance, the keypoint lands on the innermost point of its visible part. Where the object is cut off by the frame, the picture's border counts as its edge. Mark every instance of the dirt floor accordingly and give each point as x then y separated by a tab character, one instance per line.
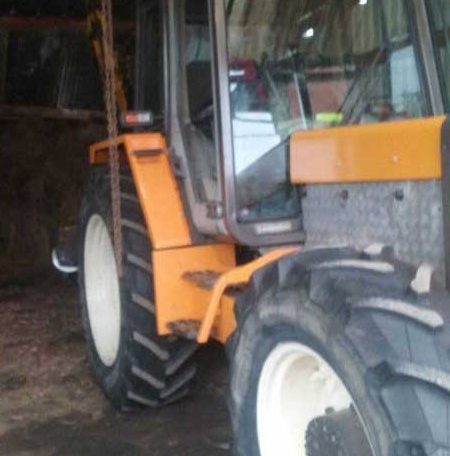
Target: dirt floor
49	404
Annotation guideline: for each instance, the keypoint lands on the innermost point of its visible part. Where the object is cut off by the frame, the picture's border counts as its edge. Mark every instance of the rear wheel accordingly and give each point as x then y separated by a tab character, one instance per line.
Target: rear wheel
339	353
134	366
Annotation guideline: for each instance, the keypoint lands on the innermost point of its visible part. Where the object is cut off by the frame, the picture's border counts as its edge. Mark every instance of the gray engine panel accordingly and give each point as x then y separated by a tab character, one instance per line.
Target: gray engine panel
405	215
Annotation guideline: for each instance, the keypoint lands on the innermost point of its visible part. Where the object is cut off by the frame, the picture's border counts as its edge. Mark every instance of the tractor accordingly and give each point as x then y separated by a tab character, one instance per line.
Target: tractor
280	183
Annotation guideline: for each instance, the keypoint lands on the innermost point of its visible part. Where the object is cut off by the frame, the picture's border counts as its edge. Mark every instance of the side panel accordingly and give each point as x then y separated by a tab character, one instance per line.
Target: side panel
376	184
405	215
390	151
202	308
156	186
178	299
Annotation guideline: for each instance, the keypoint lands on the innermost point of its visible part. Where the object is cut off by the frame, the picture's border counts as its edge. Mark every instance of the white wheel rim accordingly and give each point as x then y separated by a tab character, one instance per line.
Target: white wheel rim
296	386
102	290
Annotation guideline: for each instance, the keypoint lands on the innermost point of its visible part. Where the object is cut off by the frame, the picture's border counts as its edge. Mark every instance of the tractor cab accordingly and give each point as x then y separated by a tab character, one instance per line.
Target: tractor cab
232	81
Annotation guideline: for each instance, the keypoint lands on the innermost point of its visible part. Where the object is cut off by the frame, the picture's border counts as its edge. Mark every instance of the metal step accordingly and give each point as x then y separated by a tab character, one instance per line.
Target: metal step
202	279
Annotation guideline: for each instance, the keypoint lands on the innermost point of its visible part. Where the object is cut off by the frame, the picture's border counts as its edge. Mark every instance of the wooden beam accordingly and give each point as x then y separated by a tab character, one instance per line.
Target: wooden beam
14	112
20	23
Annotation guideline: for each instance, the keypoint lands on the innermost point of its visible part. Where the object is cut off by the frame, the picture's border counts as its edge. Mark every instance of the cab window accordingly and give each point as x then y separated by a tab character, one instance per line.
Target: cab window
150	59
199	114
300	64
325	61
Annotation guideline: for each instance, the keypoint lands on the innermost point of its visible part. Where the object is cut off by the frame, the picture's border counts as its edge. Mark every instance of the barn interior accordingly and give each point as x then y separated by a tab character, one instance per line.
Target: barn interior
368	64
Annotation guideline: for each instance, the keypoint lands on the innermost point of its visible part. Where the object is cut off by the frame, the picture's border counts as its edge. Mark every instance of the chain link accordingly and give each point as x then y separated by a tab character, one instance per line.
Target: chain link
111	112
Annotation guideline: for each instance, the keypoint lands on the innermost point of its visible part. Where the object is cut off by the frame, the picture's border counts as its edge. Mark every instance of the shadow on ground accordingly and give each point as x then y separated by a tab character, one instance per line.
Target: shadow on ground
49	405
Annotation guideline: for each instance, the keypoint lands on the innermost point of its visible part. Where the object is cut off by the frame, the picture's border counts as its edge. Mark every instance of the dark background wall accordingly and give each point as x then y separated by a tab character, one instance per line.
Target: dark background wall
43	164
51	109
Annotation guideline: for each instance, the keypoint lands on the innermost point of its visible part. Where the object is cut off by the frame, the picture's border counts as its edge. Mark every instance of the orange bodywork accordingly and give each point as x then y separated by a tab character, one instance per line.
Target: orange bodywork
174	256
237	276
156	186
390	151
180	300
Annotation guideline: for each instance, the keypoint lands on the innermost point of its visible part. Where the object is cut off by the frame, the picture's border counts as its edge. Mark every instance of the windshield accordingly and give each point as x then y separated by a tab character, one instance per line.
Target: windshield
302	64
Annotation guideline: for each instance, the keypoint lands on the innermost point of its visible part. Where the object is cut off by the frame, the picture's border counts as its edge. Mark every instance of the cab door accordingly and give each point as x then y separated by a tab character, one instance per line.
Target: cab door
194	111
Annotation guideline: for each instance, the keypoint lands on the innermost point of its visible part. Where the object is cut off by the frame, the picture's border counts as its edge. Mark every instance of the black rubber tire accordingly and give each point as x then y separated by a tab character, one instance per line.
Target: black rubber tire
361	314
150	370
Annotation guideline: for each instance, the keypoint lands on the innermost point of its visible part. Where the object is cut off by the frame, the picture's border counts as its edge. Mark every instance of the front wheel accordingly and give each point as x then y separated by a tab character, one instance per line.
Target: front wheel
336	354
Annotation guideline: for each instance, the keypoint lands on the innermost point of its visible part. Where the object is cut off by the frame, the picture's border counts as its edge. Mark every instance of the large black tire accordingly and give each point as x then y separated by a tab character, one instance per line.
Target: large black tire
149	370
367	317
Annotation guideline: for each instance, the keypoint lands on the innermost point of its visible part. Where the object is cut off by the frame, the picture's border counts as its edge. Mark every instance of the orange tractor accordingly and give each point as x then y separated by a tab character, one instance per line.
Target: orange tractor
290	199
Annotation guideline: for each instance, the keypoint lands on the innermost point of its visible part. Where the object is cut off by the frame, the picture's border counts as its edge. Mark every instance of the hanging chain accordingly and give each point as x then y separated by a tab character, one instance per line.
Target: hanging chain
111	112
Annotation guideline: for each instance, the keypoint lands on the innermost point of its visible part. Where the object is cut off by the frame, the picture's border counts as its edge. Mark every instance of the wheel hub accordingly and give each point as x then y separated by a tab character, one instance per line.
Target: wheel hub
337	434
298	394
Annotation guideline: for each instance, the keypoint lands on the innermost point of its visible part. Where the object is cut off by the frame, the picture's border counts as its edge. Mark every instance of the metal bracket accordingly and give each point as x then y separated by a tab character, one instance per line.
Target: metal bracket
215	210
